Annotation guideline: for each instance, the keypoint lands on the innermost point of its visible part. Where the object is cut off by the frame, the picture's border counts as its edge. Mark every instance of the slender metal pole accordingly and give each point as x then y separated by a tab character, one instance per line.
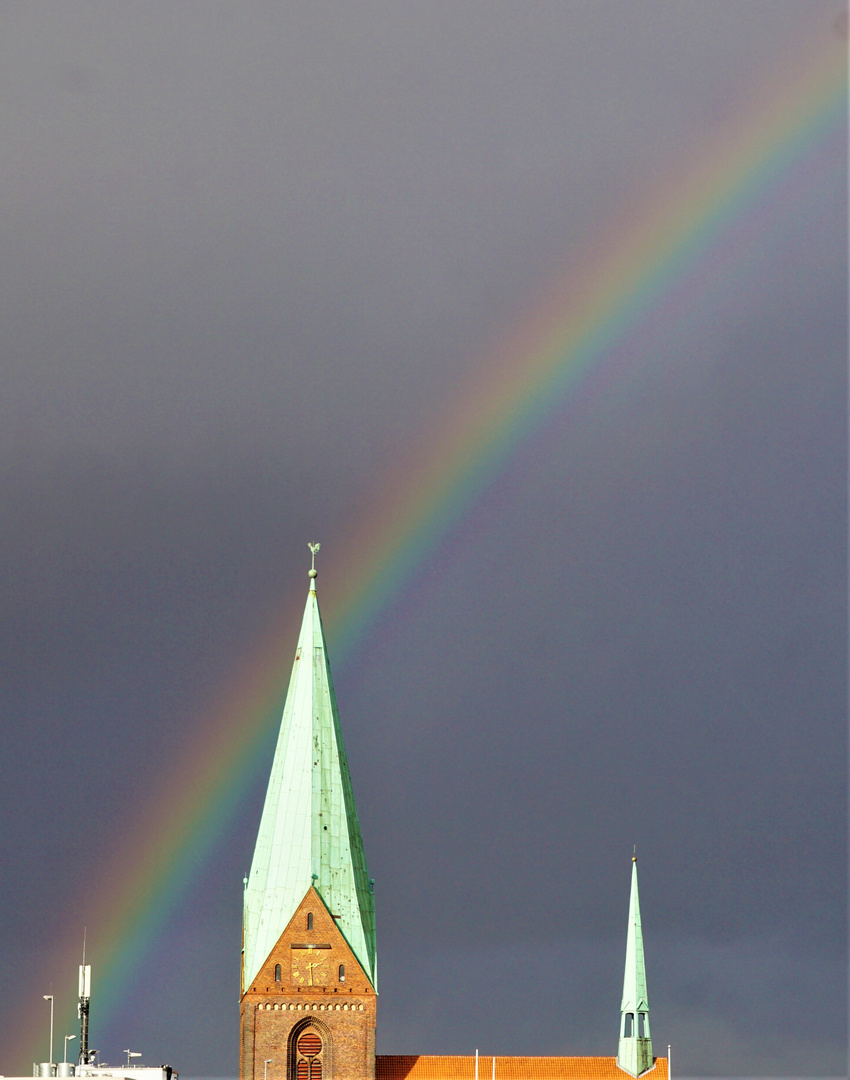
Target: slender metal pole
49	997
669	1066
266	1063
494	1067
65	1055
84	1031
476	1063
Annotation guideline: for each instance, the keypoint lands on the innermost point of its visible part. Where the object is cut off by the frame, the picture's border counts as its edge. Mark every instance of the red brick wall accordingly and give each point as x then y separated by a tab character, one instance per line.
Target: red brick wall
342	1014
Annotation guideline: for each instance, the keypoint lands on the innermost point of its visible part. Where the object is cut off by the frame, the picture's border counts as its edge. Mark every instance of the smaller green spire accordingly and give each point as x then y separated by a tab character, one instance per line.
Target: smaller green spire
634	1055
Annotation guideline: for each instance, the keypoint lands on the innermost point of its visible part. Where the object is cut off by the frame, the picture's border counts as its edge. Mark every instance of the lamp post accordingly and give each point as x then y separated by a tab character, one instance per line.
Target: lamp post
49	997
266	1064
65	1055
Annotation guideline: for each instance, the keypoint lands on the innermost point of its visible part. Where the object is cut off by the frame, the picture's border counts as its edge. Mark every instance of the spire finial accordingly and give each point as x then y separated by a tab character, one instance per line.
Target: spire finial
634	853
313	572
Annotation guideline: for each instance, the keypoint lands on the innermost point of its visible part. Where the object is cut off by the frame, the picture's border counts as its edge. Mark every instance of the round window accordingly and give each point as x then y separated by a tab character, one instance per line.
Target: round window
309	1044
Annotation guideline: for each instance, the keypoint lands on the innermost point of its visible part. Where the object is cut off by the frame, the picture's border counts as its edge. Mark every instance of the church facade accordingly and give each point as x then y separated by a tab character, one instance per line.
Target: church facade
308	1007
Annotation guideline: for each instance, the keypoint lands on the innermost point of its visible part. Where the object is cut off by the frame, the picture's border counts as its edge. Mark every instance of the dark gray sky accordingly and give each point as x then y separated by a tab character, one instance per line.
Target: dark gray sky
249	254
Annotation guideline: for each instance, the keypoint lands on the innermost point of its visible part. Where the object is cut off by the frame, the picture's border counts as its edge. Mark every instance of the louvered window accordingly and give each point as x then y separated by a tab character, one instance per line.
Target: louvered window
309	1059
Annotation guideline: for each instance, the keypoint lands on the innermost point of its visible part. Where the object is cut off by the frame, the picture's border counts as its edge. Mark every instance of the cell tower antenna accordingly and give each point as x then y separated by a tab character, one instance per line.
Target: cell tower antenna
83	1007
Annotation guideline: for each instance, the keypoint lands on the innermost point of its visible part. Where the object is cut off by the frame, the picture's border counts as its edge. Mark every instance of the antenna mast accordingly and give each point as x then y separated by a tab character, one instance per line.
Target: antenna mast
83	1007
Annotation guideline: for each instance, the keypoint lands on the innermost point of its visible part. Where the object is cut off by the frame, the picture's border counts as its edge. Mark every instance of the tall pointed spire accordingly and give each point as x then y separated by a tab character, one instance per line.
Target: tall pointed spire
634	1055
309	834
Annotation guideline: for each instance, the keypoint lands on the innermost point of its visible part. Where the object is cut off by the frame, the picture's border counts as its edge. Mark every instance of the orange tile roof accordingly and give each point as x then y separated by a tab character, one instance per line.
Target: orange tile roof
437	1067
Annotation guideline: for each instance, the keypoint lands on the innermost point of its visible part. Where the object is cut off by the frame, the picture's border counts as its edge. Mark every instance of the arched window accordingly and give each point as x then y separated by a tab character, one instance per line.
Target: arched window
342	972
309	1051
628	1025
309	920
277	973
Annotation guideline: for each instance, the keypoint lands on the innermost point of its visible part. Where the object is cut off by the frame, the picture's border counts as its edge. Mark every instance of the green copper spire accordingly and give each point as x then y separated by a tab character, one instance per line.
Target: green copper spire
309	833
635	1051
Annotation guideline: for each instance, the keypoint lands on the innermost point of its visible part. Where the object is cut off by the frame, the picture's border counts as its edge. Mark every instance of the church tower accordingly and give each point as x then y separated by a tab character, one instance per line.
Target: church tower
634	1055
308	1003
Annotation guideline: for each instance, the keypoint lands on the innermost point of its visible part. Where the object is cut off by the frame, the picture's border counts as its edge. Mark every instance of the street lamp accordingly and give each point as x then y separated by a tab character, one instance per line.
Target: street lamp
65	1055
49	997
266	1064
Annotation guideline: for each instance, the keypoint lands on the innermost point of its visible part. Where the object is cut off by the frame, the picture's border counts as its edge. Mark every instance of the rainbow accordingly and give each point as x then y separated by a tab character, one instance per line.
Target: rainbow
653	265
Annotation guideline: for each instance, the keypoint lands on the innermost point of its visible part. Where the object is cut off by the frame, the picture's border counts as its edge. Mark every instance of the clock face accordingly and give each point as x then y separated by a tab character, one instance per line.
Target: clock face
309	968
